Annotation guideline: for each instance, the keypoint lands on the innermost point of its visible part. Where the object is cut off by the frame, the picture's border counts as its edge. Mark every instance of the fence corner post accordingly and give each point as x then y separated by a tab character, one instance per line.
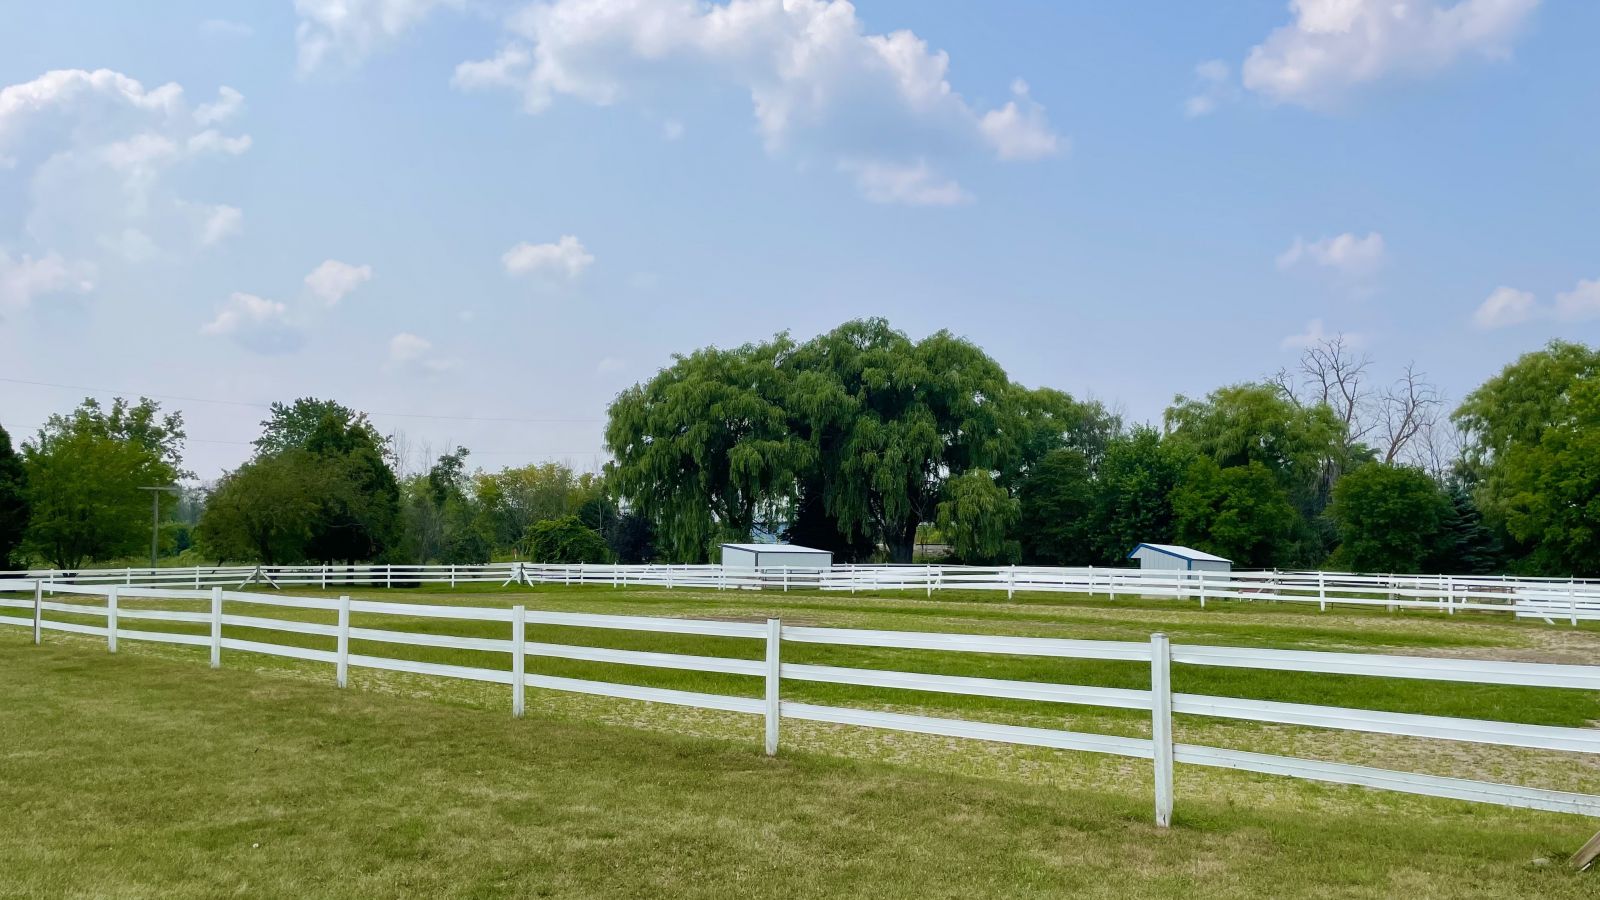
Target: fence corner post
342	666
216	627
1161	724
774	670
38	610
519	659
111	619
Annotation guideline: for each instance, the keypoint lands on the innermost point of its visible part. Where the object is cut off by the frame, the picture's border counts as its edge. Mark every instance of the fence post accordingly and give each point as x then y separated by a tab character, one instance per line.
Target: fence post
128	579
1161	723
342	667
1011	583
519	658
216	627
111	619
1201	574
388	575
197	578
324	576
38	609
774	668
1322	591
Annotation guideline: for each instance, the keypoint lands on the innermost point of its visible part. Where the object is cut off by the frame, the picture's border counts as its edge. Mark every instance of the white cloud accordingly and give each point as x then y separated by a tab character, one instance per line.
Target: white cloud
255	323
671	130
412	353
22	280
820	85
566	257
227	105
97	151
611	364
1345	253
1215	86
916	184
1019	130
222	222
333	280
352	29
1582	302
1506	306
1334	46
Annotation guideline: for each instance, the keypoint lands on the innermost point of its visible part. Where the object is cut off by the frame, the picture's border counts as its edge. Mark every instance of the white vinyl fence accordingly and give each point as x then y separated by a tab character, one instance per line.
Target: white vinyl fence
102	602
1550	599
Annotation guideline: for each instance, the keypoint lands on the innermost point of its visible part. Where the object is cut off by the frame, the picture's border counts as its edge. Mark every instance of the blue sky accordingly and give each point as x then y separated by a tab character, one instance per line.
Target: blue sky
1125	201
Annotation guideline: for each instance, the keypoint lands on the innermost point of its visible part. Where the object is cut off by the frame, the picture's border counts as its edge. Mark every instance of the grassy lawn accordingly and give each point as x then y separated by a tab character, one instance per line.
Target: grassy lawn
1106	796
143	776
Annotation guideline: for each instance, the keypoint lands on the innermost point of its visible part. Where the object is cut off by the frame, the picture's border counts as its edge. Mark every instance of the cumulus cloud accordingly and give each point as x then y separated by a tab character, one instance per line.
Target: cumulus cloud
24	279
1508	306
333	280
1315	334
916	184
1347	254
1334	46
349	30
97	151
413	353
819	83
255	323
565	258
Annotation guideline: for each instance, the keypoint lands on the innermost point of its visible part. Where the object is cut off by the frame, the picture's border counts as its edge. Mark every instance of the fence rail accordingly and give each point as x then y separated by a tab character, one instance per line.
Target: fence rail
1158	653
1552	600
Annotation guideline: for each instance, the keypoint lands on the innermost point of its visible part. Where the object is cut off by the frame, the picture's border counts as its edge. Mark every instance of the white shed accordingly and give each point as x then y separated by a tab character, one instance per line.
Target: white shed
1159	557
774	556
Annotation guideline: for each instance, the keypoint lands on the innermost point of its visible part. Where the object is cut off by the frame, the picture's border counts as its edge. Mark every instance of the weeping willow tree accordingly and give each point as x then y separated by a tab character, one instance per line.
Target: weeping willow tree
860	431
704	445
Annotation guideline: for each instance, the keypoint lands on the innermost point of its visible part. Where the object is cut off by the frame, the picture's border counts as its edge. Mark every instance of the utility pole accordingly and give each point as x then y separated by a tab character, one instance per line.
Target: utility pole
155	516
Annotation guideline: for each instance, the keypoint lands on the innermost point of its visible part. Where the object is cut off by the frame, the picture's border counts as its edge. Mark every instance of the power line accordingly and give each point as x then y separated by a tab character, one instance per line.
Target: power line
395	415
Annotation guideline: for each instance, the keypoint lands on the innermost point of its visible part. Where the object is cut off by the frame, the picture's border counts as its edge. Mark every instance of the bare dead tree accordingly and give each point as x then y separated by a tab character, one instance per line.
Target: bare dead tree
1410	408
1336	376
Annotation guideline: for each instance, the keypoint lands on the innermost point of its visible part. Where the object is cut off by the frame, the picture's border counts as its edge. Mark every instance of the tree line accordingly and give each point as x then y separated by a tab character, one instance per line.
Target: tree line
860	440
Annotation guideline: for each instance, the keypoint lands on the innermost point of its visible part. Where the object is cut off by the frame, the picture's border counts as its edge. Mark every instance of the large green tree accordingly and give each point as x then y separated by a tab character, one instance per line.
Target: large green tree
1240	512
892	420
565	540
1057	511
1534	448
265	510
85	471
14	509
358	516
1389	519
977	516
704	445
1133	492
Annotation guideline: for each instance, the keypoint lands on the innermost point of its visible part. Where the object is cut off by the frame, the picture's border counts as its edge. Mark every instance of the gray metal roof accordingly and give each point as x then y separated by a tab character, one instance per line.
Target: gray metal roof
1181	552
775	548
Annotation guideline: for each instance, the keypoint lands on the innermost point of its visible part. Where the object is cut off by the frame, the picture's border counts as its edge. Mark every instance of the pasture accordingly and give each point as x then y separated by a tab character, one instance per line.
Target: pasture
413	784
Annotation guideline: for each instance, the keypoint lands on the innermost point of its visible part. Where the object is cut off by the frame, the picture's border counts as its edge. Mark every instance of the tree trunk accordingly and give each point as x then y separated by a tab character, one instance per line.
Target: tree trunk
903	543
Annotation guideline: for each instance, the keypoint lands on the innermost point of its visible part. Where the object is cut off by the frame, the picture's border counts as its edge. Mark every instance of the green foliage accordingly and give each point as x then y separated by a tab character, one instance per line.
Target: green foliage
292	424
14	508
978	516
1389	519
84	474
891	421
1240	512
358	518
565	540
265	510
510	500
705	443
1133	494
1534	444
1057	518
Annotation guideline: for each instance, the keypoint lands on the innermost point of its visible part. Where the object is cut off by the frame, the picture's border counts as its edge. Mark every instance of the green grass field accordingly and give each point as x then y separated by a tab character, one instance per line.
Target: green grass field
124	773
